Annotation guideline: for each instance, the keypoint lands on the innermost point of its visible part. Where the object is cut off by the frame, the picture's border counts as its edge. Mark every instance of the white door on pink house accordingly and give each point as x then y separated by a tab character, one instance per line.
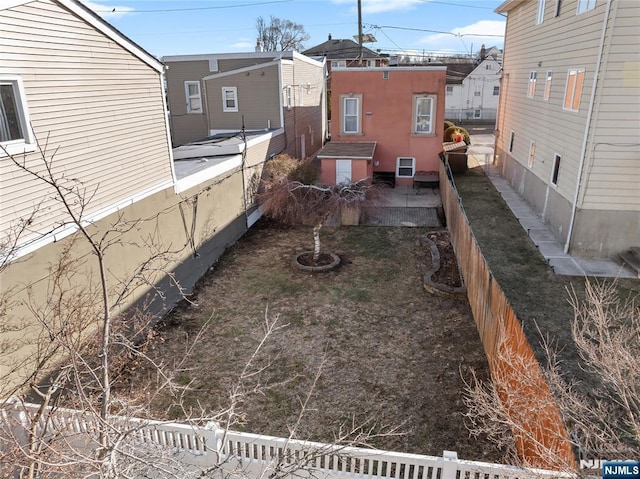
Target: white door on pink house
343	171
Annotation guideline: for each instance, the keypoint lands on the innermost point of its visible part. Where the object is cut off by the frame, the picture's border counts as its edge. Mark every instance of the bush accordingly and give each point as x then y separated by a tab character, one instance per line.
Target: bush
448	124
292	168
454	131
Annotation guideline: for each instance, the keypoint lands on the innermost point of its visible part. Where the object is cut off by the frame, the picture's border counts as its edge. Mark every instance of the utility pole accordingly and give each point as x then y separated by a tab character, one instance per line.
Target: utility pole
360	33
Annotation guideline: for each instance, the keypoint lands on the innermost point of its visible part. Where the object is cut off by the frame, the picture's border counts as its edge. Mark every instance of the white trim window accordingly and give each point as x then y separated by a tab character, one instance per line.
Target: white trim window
555	171
540	14
496	90
477	113
585	5
423	108
338	63
573	89
531	90
449	89
193	96
229	99
16	136
547	86
351	115
405	167
532	153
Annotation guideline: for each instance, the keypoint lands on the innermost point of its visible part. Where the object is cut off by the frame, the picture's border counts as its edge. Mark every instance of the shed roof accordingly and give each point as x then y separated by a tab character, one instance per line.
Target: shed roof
355	150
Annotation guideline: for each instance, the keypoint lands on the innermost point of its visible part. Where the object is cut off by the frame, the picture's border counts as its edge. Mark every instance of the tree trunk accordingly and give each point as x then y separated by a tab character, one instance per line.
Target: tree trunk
316	242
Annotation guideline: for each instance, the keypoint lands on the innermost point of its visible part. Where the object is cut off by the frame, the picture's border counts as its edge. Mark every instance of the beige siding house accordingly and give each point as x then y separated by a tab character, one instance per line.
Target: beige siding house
218	93
75	90
75	85
569	118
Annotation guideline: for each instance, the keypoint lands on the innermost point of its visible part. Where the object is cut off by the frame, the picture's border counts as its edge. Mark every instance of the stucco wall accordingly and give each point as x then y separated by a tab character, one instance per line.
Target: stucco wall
157	230
387	113
360	169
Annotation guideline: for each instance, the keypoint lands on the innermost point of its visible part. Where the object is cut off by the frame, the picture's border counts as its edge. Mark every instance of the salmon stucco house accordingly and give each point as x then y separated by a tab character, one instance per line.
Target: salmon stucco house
569	118
387	123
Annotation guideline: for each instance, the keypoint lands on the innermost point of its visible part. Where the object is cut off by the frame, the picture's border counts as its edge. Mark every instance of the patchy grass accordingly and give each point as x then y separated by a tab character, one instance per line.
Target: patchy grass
393	354
539	297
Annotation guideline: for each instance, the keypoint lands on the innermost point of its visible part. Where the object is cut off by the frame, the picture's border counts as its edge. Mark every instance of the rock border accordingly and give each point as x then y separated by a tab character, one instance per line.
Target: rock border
438	288
316	269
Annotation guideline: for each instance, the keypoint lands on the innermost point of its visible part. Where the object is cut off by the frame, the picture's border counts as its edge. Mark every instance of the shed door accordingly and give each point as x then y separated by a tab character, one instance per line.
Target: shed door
343	171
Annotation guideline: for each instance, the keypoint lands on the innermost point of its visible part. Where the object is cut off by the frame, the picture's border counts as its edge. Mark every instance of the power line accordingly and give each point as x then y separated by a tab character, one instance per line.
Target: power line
435	31
115	10
459	5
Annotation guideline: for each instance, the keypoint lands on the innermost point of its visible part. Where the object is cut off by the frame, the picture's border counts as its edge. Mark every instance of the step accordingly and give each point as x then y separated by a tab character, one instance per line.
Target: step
632	260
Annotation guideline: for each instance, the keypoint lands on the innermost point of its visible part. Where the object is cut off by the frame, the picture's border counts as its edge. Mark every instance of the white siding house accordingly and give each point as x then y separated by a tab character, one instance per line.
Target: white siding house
569	118
475	97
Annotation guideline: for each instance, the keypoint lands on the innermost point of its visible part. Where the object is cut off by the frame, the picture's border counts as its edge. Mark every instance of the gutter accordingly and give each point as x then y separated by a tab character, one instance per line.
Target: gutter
587	127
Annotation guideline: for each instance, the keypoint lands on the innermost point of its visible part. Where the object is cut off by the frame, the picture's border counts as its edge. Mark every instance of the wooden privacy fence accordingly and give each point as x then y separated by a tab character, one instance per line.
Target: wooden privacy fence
252	456
539	433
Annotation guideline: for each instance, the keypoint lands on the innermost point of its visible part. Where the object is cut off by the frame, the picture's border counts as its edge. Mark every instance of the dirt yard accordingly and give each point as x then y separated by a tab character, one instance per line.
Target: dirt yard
393	353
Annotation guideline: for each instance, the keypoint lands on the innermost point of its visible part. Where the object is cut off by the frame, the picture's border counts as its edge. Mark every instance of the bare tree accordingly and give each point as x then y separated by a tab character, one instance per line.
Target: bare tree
601	414
280	34
289	194
86	339
69	362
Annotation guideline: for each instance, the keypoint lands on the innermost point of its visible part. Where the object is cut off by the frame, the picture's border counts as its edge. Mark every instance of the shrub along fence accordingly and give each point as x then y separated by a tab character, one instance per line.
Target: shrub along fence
537	424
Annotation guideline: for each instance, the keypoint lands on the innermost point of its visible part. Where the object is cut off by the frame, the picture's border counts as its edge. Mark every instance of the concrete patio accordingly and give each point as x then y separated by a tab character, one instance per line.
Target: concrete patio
406	206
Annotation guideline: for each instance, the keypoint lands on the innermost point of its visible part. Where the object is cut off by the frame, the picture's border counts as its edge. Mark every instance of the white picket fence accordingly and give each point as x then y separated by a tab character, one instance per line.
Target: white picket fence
258	456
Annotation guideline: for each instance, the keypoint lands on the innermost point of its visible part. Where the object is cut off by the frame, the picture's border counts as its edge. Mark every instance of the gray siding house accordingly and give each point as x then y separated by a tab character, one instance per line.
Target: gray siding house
276	91
569	118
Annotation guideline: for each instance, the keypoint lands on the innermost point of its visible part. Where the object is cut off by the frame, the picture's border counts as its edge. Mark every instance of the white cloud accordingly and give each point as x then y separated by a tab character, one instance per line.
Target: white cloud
378	6
243	46
108	11
489	32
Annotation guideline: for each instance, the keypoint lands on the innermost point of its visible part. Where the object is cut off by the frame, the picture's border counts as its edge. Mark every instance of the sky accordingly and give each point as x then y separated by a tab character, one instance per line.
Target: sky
166	27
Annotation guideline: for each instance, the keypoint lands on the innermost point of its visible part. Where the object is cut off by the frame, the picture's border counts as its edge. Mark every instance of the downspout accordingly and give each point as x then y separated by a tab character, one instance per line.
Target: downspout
497	134
167	124
245	207
583	152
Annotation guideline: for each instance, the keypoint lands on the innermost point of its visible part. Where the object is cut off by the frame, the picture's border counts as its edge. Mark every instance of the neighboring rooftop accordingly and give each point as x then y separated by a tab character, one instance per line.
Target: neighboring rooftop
212	156
341	49
457	72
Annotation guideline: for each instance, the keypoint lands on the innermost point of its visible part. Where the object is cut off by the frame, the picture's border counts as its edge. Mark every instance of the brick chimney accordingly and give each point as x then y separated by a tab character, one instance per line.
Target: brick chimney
259	46
329	36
